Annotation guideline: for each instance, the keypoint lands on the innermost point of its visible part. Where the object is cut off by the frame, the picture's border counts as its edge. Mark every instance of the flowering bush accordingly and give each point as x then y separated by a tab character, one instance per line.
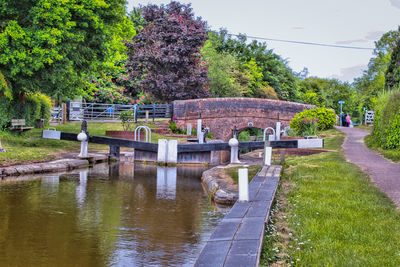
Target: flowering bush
325	120
309	127
104	90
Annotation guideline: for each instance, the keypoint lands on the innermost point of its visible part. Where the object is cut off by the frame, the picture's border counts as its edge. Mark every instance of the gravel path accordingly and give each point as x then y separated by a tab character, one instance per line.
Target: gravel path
384	173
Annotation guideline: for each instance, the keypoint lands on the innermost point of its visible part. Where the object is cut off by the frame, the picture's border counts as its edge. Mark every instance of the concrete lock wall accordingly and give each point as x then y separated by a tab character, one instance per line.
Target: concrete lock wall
222	114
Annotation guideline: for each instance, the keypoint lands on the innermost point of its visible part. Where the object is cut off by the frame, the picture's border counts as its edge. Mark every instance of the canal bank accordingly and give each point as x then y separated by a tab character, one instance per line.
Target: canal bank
237	240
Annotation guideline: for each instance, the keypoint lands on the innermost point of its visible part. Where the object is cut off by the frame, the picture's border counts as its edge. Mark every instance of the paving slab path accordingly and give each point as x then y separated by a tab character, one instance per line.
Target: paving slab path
237	240
384	173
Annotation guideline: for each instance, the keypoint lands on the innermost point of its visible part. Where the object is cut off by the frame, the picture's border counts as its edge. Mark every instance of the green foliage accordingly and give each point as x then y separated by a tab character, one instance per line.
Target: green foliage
372	82
393	72
126	118
175	129
223	70
34	106
327	93
47	45
259	66
244	136
386	131
303	121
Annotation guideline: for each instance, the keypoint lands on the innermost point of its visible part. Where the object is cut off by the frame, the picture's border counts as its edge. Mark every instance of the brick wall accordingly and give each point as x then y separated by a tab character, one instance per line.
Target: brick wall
221	115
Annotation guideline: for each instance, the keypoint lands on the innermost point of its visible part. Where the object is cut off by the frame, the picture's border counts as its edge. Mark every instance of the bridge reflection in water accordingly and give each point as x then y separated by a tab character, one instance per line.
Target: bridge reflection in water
111	215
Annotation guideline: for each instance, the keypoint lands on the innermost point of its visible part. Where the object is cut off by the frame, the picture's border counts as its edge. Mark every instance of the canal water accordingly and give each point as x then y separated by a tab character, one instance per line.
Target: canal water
110	215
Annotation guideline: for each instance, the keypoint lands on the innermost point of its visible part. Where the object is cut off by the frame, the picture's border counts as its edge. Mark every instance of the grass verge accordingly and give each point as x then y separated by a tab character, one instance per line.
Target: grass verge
328	213
233	172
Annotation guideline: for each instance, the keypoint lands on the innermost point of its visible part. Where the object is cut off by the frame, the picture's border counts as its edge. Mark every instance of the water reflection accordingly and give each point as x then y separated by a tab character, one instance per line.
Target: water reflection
111	215
166	182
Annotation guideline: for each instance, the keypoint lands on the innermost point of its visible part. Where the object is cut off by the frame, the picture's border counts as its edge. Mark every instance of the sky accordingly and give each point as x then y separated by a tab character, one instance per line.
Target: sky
338	22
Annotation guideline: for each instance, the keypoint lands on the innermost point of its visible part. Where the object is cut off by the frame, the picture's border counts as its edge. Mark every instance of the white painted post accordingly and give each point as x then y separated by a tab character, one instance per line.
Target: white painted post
84	144
147	117
234	144
189	129
172	151
200	137
243	185
267	154
278	131
198	128
162	150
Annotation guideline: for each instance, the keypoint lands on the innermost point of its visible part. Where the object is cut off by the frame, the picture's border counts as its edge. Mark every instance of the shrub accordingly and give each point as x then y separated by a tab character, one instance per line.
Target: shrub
174	128
326	119
386	131
36	106
127	119
244	136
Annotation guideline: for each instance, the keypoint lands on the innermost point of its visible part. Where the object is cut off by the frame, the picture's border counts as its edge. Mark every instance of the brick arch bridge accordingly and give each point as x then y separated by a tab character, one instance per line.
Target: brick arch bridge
221	115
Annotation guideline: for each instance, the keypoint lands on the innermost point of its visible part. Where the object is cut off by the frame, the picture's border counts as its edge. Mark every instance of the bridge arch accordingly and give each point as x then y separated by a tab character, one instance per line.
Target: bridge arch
221	115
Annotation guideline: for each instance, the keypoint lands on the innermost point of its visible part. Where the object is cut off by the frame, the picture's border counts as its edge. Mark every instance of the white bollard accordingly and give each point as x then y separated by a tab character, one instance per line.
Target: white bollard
243	184
189	129
234	144
172	151
84	144
278	131
200	137
162	153
198	128
267	155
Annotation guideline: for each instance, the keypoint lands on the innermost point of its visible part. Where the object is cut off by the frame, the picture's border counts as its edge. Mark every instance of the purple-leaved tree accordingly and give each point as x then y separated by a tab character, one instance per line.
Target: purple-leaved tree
164	57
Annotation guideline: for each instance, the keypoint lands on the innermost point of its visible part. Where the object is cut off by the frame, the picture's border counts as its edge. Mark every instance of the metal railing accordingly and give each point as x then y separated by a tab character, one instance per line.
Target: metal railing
98	111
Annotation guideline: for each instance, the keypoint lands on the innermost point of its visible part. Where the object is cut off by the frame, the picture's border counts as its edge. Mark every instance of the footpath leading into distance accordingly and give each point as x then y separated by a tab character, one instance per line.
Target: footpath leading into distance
384	173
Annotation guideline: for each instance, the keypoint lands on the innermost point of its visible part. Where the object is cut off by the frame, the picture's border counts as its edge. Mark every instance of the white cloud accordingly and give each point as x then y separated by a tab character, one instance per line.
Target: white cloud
395	3
348	74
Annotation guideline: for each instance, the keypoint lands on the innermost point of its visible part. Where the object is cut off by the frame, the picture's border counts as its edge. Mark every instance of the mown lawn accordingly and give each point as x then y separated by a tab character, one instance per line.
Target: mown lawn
31	147
328	213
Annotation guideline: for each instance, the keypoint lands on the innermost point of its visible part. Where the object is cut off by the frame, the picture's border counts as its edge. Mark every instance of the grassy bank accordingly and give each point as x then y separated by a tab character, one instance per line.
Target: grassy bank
392	154
328	213
30	147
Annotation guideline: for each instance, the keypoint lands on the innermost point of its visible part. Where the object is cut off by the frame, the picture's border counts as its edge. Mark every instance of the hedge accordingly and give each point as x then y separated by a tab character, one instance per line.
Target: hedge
386	130
36	106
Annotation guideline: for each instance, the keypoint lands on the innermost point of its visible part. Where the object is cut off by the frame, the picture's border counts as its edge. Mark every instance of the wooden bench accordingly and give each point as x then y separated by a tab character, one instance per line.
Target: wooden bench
19	126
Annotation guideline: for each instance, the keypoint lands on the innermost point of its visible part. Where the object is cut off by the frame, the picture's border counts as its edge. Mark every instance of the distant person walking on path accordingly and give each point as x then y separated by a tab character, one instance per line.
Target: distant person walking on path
348	120
343	119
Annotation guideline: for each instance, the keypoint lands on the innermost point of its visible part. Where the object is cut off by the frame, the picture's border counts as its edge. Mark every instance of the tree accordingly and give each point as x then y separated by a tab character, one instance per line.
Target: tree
372	82
393	72
49	45
164	57
274	70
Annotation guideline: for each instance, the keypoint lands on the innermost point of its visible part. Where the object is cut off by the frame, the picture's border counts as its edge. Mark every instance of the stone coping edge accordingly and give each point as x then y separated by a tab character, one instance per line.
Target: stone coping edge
217	188
52	166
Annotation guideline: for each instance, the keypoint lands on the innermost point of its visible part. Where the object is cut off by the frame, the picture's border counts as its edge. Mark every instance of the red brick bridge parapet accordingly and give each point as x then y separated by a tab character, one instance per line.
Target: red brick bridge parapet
221	115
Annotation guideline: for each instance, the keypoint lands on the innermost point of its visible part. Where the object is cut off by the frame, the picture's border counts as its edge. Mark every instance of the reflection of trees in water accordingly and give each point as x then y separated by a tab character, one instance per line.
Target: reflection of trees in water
36	228
111	219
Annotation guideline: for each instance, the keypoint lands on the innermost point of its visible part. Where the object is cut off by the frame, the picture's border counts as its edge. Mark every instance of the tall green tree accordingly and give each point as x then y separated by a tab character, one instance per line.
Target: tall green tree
393	71
275	71
49	45
372	82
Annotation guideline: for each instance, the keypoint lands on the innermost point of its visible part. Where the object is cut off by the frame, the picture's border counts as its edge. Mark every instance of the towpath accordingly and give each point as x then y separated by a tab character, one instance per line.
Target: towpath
384	173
